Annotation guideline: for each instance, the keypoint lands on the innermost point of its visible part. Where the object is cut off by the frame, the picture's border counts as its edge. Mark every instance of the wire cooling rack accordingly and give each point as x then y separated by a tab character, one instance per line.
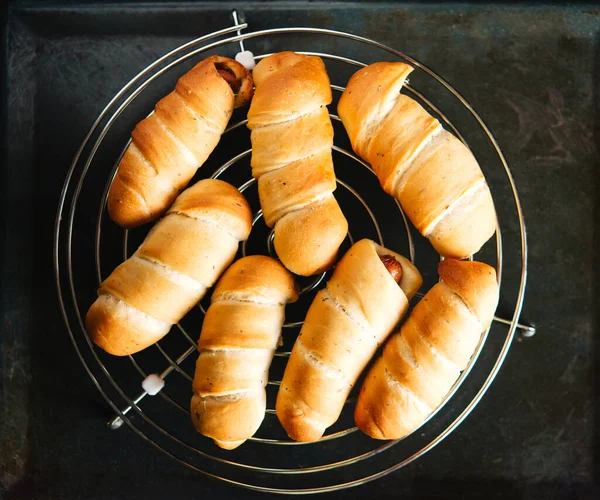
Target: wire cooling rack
88	246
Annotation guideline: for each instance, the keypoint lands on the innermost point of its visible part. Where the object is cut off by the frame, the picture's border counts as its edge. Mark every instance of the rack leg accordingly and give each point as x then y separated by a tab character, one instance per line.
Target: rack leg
239	32
116	422
526	330
152	385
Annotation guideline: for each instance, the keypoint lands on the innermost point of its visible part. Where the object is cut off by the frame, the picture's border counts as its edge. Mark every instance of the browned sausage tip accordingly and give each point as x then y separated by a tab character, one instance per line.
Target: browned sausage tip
229	77
393	267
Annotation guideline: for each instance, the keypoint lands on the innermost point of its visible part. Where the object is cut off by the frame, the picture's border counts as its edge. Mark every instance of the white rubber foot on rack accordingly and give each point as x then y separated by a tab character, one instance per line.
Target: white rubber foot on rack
153	384
247	59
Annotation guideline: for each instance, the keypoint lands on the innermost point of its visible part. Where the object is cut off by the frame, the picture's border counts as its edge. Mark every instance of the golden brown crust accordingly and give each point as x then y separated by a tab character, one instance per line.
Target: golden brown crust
181	257
276	147
295	186
345	324
403	412
240	333
292	138
216	202
370	92
466	225
142	284
320	227
398	140
199	249
475	283
288	85
120	329
261	279
209	414
175	140
433	174
421	362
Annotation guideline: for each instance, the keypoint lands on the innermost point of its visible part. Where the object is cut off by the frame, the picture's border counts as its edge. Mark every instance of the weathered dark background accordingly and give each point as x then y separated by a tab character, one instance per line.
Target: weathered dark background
533	75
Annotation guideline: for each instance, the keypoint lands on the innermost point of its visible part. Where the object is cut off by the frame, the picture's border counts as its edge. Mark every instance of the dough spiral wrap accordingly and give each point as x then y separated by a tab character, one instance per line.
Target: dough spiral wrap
292	139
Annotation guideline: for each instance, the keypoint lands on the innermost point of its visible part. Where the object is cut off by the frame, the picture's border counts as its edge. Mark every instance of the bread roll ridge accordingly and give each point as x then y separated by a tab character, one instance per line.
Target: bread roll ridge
393	381
362	324
212	125
409	359
206	221
435	351
215	202
475	283
234	297
469	192
312	358
192	156
329	294
371	110
175	276
107	302
133	148
231	395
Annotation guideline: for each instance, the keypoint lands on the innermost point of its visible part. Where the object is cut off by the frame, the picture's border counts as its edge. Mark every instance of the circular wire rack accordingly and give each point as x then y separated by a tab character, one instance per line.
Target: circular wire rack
88	246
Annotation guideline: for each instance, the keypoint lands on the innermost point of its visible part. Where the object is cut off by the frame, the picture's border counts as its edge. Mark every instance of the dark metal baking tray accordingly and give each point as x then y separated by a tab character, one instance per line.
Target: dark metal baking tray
531	72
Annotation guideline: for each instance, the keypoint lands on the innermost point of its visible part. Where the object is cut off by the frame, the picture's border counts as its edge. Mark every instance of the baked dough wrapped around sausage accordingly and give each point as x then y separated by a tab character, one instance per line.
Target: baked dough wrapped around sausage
183	255
433	175
240	333
422	361
347	321
292	138
169	146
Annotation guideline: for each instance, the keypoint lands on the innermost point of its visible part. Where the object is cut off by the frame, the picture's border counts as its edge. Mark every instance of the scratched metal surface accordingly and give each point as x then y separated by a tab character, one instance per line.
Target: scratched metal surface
532	74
